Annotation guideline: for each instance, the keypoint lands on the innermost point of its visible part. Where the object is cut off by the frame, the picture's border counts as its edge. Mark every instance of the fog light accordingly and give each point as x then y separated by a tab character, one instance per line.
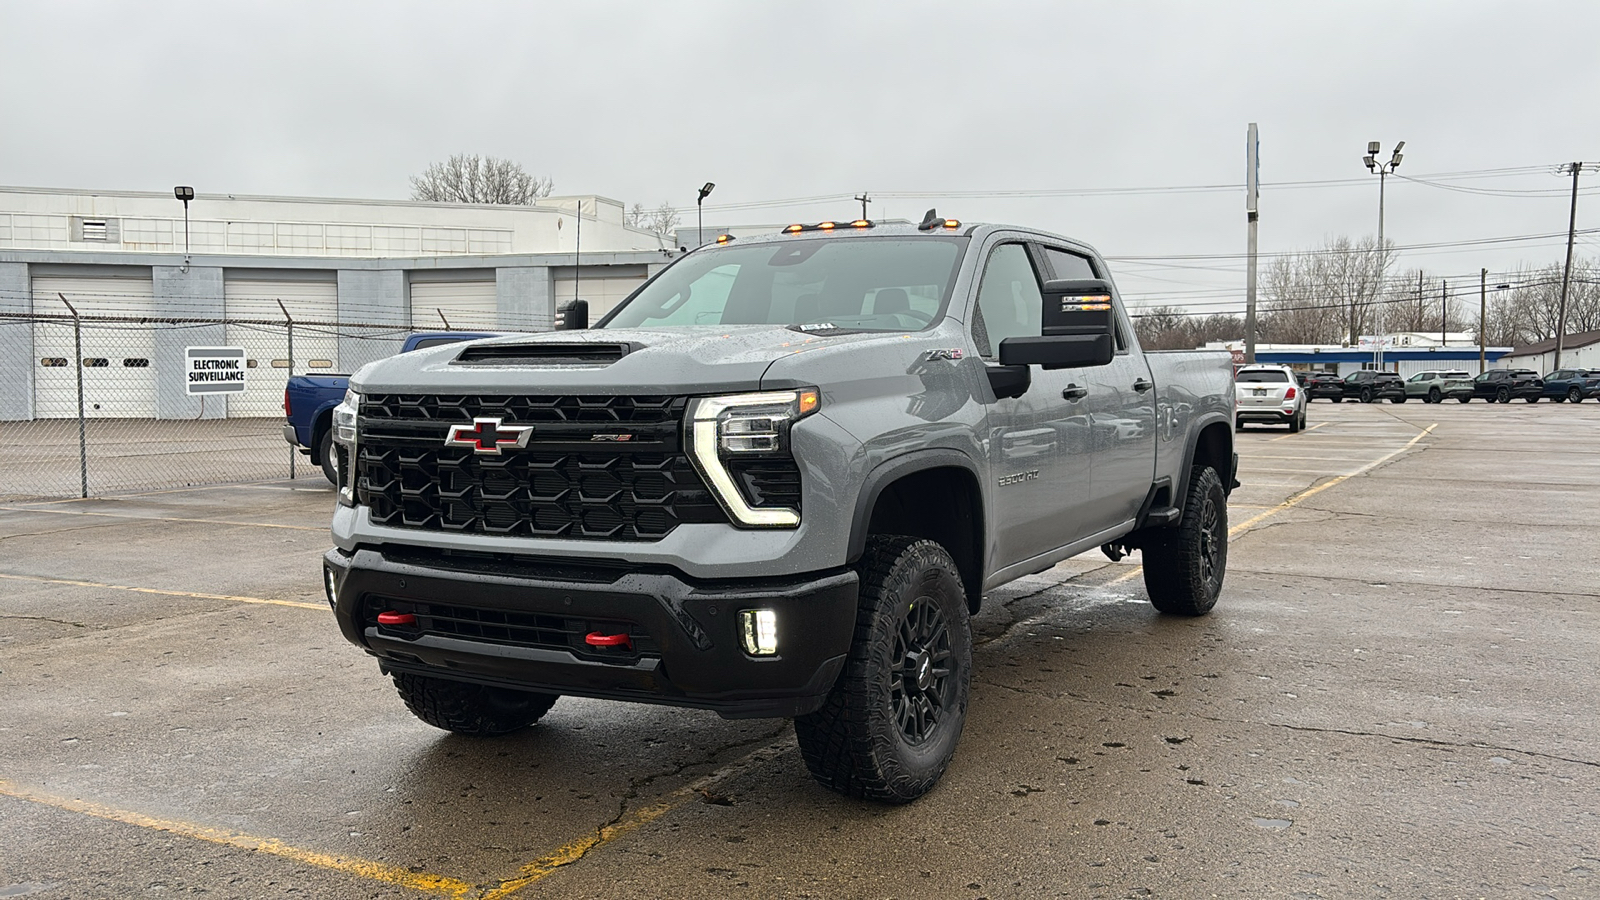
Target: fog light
330	585
758	631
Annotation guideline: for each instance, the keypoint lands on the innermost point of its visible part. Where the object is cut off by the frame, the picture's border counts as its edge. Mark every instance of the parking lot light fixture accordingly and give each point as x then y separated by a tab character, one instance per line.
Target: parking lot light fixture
1382	170
699	213
185	193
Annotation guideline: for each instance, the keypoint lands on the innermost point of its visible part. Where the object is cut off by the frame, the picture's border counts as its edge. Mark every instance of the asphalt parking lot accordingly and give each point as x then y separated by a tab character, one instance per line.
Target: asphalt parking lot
1393	698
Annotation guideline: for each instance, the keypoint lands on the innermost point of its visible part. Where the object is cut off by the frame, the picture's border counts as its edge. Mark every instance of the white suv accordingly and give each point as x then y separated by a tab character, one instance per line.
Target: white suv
1268	394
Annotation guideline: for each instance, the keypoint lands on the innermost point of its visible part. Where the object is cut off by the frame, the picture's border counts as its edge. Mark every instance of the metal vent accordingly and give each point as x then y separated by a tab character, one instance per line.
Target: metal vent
543	354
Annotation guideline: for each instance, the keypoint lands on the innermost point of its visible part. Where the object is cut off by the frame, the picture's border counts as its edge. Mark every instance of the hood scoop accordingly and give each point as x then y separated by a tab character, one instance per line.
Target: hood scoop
541	354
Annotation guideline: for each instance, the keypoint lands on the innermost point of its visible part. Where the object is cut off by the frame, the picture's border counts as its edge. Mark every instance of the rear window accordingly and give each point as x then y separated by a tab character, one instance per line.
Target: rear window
1263	376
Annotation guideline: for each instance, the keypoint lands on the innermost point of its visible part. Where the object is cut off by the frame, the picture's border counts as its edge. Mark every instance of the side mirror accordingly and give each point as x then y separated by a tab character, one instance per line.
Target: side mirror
1078	325
573	316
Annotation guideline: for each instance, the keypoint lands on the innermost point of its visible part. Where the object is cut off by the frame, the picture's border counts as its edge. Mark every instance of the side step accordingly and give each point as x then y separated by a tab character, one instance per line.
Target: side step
1162	517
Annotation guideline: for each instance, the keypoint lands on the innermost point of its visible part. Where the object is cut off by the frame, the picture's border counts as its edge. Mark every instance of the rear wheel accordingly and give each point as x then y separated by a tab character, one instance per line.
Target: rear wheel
1533	399
1434	396
1464	398
1366	395
890	726
470	708
1184	565
1399	399
1295	423
1574	395
1338	399
1503	395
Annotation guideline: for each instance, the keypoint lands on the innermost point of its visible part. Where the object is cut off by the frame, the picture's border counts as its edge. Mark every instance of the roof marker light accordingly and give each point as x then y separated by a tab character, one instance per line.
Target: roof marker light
861	223
793	228
724	238
952	223
825	226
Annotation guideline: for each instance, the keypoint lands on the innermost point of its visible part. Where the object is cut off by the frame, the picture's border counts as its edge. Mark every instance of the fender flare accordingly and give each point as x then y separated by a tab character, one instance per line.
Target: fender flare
890	471
1192	444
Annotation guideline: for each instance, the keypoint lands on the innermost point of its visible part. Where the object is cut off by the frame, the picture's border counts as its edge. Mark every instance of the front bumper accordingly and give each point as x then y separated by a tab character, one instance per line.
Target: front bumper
686	648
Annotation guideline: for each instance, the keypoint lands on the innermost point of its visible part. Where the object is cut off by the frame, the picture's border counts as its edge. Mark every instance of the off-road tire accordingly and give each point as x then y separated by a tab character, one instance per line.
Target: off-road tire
859	742
330	468
1184	565
1434	396
473	709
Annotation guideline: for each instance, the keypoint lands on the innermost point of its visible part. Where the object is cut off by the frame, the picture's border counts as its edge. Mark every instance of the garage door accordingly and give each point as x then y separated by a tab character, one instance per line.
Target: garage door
119	375
316	347
603	293
465	305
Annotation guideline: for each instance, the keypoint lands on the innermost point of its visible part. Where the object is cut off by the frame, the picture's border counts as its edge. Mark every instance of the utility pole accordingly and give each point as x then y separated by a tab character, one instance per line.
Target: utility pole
1252	180
1576	169
1444	312
863	198
1483	317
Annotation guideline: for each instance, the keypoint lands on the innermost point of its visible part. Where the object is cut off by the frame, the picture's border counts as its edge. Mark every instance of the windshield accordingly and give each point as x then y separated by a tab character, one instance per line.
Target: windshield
857	284
1263	376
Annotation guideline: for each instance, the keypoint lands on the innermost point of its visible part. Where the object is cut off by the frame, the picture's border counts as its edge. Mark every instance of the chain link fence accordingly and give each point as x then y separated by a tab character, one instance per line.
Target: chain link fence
103	404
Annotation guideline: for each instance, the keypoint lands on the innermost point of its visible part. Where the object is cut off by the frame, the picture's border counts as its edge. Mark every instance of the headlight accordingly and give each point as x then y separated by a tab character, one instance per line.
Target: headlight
747	427
345	434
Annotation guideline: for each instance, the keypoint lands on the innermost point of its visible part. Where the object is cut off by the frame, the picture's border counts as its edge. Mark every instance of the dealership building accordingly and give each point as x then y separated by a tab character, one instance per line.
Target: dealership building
142	281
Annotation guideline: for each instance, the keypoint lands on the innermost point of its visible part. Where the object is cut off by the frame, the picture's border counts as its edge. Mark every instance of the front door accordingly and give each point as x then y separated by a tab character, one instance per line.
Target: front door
1039	444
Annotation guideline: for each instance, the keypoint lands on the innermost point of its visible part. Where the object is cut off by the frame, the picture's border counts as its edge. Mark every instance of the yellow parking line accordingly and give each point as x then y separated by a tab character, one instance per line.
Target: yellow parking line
1303	431
75	512
350	865
144	590
1297	498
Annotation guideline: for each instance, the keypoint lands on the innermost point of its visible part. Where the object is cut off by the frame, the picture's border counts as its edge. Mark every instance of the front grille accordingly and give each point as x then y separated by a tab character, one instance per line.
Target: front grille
600	468
508	628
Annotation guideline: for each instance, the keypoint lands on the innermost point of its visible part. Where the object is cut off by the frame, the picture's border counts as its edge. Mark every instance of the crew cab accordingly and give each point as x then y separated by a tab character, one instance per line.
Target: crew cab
776	481
308	400
1439	385
1370	385
1504	385
1575	385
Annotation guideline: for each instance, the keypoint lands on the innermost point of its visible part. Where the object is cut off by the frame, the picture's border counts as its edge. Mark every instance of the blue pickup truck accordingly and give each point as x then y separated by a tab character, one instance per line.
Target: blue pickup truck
308	400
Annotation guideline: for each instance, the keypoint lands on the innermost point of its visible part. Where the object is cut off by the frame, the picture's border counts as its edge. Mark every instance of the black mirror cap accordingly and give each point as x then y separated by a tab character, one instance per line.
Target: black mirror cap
573	316
1077	306
1058	351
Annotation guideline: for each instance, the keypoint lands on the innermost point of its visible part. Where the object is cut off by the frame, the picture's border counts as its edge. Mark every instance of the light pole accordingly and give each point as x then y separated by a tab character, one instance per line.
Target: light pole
185	193
699	214
1382	170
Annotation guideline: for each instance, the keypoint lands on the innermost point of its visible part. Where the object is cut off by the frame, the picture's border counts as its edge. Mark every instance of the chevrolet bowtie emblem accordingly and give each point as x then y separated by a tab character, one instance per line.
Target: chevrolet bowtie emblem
489	436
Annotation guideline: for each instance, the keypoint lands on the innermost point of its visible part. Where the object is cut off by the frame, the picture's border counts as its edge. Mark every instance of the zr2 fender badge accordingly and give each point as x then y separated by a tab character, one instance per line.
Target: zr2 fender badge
951	354
489	436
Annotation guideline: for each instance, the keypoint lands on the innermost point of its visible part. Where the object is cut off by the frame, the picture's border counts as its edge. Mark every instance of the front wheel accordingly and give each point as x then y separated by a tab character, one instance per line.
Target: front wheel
473	709
1399	399
1184	565
890	726
1338	399
1533	399
1465	398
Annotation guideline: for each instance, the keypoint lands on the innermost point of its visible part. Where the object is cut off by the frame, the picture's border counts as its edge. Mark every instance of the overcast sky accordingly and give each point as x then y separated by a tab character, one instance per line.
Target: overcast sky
645	101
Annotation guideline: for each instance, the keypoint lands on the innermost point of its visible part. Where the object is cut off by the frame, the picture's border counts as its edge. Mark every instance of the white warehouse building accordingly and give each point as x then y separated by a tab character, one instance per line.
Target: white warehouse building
353	275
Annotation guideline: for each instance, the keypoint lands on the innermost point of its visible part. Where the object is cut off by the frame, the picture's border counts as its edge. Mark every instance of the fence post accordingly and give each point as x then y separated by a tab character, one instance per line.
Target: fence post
290	330
77	364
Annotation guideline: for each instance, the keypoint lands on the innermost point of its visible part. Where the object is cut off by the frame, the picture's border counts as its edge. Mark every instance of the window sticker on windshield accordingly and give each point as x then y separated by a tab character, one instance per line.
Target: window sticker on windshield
817	326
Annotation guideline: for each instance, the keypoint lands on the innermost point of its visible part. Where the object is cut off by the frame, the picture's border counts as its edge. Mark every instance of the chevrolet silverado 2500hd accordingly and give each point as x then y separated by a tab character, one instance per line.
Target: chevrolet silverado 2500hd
776	481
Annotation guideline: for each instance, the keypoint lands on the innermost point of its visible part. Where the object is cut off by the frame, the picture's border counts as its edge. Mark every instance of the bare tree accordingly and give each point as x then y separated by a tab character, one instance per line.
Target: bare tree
1170	328
1324	294
1529	312
661	220
469	178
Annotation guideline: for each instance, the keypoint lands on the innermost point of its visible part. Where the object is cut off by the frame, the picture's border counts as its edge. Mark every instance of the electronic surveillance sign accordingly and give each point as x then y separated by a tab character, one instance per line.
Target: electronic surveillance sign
214	370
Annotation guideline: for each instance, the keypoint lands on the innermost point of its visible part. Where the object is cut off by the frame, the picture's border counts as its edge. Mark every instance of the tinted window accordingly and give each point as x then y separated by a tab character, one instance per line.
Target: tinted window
1263	376
425	343
1009	300
1069	265
865	284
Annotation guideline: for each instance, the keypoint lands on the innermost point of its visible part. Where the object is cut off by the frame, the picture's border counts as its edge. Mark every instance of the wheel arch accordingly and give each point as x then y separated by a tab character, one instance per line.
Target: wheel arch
932	494
1211	444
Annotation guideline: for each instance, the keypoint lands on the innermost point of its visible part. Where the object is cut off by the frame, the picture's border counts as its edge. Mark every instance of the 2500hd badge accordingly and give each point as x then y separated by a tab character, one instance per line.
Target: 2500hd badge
687	504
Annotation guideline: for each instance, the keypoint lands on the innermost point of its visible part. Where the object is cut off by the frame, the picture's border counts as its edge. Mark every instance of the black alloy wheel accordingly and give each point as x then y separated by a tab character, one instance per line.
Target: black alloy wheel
920	693
1503	395
1366	395
1184	565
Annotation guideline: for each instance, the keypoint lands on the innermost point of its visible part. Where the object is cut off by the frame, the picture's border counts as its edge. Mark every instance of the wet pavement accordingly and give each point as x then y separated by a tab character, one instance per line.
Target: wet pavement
1392	699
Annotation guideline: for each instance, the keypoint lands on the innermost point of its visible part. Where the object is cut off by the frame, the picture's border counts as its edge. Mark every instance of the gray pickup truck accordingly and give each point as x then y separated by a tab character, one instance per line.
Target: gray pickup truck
776	481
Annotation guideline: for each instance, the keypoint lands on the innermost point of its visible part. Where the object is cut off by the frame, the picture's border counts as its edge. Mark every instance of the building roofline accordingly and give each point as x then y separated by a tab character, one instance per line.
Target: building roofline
351	201
1572	342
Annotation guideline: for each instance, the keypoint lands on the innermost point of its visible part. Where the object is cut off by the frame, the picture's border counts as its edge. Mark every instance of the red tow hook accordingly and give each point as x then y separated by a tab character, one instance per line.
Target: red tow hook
596	639
396	618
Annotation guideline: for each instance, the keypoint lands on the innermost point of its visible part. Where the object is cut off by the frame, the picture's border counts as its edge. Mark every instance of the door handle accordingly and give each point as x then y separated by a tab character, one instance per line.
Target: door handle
1074	393
1141	385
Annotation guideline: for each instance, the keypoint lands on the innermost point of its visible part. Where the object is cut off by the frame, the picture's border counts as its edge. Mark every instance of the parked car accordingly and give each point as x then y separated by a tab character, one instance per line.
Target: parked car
1369	385
1502	385
1268	394
308	401
1438	385
1576	385
1324	386
743	502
